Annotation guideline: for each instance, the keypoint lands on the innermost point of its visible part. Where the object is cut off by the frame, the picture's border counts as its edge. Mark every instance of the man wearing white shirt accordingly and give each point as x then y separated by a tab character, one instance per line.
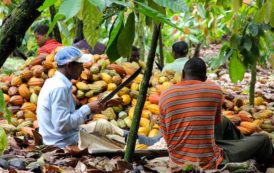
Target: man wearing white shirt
57	117
179	51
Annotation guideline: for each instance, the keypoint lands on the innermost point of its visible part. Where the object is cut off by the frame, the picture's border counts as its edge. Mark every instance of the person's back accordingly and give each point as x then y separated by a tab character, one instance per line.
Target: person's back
189	111
188	114
179	51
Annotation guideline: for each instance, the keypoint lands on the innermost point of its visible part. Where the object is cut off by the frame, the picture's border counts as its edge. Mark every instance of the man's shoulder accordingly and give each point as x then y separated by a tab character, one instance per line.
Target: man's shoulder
54	83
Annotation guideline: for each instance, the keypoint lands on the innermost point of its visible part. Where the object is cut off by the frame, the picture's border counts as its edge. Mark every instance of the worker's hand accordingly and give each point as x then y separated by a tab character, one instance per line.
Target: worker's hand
113	102
96	107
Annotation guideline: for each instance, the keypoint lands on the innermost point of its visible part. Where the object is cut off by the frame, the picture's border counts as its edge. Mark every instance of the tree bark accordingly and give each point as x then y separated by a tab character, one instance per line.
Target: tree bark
56	31
161	52
79	30
252	84
13	29
130	148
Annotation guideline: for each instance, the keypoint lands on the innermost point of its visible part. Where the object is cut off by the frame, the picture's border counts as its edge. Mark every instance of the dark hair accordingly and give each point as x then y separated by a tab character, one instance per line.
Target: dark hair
180	48
42	30
196	68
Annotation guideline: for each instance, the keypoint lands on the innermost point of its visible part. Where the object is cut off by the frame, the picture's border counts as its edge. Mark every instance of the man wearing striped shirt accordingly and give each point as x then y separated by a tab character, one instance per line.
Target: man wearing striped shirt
189	112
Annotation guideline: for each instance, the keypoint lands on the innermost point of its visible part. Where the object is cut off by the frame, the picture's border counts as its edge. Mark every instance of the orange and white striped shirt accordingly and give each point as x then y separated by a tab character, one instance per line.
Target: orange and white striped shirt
189	110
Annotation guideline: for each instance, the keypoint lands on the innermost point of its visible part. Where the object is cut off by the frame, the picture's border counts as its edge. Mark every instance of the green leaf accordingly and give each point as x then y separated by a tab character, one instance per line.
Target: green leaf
193	38
236	4
201	10
157	7
56	18
2	102
3	108
236	68
253	28
116	29
126	38
101	4
268	11
46	4
154	14
3	141
224	55
247	43
259	16
174	5
91	19
69	8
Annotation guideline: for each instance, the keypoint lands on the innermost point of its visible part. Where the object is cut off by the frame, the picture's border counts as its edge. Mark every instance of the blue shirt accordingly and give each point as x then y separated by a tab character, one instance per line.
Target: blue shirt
57	118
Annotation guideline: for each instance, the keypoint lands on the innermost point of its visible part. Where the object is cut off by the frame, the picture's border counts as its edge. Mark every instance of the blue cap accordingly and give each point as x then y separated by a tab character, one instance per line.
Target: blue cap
69	54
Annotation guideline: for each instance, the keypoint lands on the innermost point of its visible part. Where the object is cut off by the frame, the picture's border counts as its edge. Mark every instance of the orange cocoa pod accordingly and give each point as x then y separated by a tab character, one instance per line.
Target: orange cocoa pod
245	116
38	70
16	81
37	61
24	91
6	98
28	106
47	65
16	100
36	82
26	74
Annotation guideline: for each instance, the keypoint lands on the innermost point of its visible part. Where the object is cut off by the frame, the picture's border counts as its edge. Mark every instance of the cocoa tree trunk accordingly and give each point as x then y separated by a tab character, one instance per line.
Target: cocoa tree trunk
252	84
79	30
13	29
56	31
141	97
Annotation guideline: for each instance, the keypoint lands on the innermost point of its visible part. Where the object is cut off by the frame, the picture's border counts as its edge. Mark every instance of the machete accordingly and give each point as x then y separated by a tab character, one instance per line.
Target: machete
122	85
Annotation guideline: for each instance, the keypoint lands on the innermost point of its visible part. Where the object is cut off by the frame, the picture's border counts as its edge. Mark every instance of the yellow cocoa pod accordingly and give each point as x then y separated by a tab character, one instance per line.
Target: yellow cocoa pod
143	131
51	72
154	109
140	147
111	86
82	86
126	99
123	91
99	116
139	78
146	114
106	77
258	101
144	122
153	132
135	87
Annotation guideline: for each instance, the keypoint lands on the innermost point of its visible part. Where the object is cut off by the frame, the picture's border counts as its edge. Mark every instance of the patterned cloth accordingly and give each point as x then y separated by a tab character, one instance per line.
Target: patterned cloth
49	47
188	113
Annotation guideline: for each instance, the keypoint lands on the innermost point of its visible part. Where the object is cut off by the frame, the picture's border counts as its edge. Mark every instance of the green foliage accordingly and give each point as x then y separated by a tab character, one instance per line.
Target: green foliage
115	31
175	5
46	4
236	67
154	14
126	38
91	19
5	112
236	4
69	8
3	141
